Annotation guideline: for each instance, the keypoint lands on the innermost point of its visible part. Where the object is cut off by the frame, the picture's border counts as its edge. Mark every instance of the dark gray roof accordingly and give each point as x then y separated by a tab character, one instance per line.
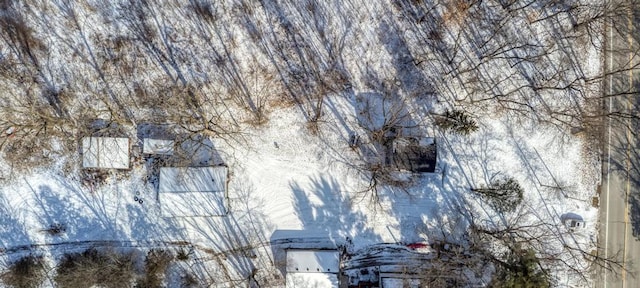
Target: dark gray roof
413	155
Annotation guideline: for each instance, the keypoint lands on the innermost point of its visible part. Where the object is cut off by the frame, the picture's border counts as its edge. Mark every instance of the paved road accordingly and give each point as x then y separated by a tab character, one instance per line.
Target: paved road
620	197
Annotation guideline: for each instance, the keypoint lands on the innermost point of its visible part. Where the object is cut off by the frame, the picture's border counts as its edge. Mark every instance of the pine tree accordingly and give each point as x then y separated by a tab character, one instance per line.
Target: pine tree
457	121
521	270
504	194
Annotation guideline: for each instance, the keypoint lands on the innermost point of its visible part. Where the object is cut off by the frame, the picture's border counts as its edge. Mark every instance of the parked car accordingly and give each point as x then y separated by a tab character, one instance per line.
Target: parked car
573	221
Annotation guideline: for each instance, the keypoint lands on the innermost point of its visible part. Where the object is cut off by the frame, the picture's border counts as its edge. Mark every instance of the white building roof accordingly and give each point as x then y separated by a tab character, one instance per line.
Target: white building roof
400	283
311	280
313	261
312	268
192	191
193	179
192	204
157	146
105	152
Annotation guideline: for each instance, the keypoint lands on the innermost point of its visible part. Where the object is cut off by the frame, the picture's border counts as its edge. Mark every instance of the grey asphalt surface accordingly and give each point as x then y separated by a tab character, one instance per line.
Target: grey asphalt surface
620	193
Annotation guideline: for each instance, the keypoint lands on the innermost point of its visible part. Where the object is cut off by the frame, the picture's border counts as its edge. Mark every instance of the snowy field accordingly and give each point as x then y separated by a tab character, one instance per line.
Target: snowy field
308	184
227	72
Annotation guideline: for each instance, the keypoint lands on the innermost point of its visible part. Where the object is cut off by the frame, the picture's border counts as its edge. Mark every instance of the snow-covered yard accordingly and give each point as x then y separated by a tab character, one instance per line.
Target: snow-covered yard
286	179
280	88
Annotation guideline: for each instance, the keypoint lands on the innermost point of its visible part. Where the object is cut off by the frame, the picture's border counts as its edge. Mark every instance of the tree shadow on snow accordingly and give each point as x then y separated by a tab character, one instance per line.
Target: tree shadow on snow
431	211
325	207
236	241
329	221
13	230
84	218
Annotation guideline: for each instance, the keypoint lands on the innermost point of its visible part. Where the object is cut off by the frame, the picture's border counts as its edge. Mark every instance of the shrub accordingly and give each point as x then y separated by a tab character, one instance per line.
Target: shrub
184	254
188	281
28	271
94	267
56	229
156	265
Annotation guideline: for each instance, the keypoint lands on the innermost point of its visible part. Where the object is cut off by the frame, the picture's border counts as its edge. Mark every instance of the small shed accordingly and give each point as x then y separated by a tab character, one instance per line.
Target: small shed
312	268
193	191
105	152
417	155
157	146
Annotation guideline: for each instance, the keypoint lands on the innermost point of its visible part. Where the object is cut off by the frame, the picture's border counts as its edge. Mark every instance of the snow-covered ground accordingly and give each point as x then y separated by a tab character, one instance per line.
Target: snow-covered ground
286	180
294	184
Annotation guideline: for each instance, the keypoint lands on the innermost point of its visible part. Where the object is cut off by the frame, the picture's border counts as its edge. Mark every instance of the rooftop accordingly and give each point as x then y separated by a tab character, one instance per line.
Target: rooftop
412	154
193	191
313	261
105	152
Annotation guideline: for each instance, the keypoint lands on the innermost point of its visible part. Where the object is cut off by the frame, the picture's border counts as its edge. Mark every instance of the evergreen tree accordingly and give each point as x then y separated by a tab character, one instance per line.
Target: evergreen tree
504	194
457	121
521	270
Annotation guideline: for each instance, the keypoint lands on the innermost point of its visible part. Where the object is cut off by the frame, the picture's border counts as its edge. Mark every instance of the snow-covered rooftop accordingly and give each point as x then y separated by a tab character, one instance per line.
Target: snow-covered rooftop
312	268
193	179
192	204
310	261
105	152
312	280
192	191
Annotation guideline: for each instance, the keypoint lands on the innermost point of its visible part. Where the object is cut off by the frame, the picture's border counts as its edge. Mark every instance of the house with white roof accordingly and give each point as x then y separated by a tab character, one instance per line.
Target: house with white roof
105	153
193	191
312	268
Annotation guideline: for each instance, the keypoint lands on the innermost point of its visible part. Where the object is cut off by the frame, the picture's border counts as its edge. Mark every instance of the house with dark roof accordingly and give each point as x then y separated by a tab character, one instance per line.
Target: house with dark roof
412	154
